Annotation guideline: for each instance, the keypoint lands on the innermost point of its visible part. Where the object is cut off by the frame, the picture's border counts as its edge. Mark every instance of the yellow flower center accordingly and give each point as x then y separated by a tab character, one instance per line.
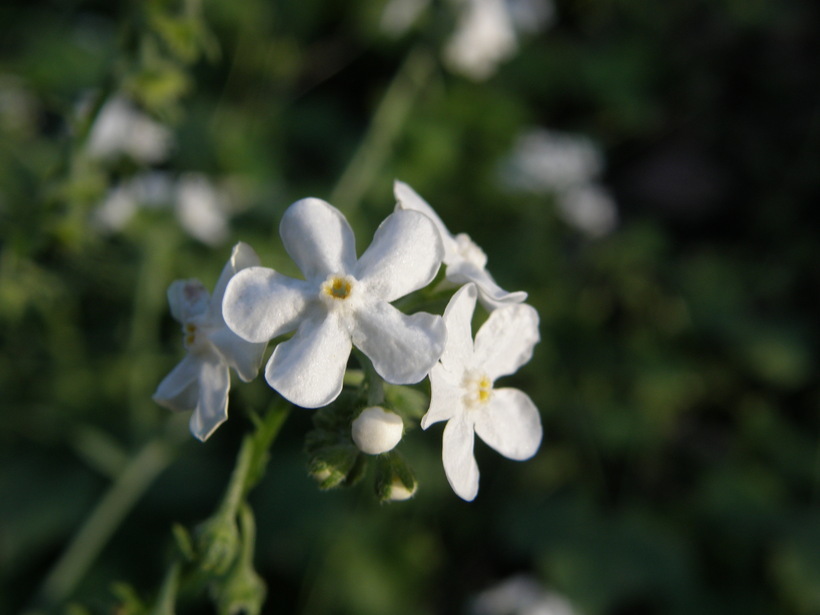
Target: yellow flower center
190	334
479	390
338	286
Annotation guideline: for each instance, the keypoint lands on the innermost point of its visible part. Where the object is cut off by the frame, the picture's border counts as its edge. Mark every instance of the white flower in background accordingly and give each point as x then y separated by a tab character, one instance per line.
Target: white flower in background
121	129
202	379
376	430
150	190
464	260
463	393
547	161
486	31
343	302
567	166
484	37
520	595
588	208
200	207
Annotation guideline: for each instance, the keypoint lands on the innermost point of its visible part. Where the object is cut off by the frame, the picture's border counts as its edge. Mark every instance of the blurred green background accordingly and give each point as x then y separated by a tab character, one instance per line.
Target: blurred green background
677	372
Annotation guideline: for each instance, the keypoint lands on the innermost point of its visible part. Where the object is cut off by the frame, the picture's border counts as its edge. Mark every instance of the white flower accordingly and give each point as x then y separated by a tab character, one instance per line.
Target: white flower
376	430
121	129
589	208
483	38
201	381
200	207
342	302
486	31
465	261
462	391
548	161
567	166
520	595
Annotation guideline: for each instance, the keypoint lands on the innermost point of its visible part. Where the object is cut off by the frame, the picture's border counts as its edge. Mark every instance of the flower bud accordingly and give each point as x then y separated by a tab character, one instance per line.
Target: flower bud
398	491
395	480
218	543
377	430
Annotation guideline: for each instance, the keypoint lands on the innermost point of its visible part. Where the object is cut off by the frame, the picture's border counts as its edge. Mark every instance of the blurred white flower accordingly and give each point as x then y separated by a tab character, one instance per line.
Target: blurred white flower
486	31
121	129
464	260
200	207
546	161
153	189
567	166
344	301
202	379
520	595
483	38
589	208
463	392
376	430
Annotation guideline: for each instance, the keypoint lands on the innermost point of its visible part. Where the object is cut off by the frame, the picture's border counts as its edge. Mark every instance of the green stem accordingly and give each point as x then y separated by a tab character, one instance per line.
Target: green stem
372	380
106	517
385	127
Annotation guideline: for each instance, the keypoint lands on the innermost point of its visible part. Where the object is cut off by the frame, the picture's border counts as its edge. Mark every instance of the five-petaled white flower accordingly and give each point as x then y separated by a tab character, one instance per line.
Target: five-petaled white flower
465	261
202	379
462	390
342	302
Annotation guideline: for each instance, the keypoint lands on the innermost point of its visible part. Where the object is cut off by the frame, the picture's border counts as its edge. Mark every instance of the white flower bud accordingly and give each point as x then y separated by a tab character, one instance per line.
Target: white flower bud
399	492
377	430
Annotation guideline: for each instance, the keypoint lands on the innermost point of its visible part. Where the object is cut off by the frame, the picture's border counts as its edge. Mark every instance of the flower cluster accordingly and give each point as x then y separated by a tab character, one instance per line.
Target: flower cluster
345	302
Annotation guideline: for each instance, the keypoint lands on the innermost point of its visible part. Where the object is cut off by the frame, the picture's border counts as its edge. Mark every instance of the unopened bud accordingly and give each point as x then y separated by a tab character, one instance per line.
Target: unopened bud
398	491
376	430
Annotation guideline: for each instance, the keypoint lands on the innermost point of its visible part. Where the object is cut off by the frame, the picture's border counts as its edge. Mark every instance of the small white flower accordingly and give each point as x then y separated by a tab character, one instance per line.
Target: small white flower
343	302
121	129
520	595
200	208
589	208
465	261
483	38
485	34
567	166
548	161
202	380
463	393
376	430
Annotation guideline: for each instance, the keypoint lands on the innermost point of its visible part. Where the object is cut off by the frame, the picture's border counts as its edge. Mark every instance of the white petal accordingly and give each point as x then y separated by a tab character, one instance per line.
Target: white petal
403	348
458	317
261	304
187	299
407	198
244	357
178	390
212	409
510	423
446	396
459	463
309	368
318	238
505	341
491	295
242	257
405	255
